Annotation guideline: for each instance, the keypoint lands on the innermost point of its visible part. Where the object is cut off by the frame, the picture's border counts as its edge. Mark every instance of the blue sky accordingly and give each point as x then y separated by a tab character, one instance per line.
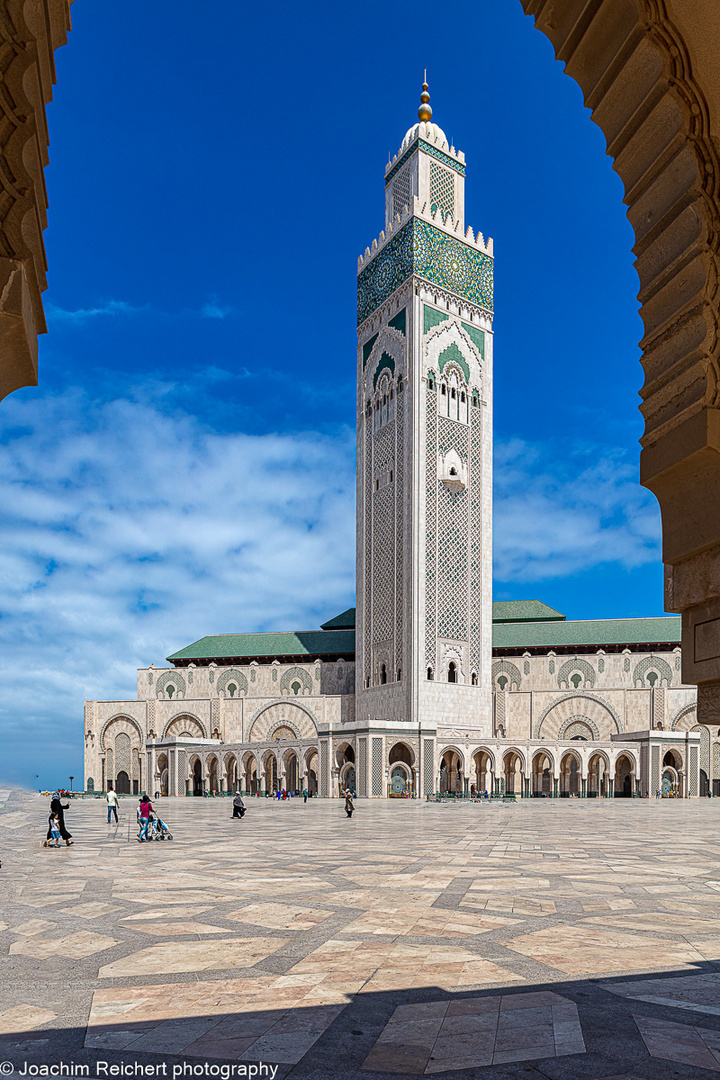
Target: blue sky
186	465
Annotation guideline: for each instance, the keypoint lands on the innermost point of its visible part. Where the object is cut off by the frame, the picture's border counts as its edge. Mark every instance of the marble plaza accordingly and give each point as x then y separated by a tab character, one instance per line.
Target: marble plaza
545	938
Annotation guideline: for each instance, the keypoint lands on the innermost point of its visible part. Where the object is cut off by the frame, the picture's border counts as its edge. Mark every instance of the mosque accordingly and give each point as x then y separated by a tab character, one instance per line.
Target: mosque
427	686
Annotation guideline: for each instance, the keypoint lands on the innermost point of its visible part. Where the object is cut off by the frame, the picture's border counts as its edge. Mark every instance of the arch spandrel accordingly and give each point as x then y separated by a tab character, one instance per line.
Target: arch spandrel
598	714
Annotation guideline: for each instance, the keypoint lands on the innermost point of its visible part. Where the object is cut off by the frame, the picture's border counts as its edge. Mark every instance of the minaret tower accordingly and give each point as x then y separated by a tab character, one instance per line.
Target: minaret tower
424	431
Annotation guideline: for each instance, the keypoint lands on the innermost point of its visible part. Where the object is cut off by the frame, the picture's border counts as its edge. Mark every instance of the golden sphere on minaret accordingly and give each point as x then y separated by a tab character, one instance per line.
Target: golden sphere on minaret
425	112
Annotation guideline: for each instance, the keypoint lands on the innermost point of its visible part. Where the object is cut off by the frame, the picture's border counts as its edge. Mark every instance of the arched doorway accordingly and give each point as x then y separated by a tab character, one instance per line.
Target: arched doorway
624	770
197	778
231	774
569	776
512	770
671	786
213	785
291	772
311	772
704	784
400	760
162	773
542	776
271	773
451	773
483	772
122	783
597	777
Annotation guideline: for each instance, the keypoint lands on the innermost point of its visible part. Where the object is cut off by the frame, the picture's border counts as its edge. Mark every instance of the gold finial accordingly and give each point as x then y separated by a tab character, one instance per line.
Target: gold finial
425	112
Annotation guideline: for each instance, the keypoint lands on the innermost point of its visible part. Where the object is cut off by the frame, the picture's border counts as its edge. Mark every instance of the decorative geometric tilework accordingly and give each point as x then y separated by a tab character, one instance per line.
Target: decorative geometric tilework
442	190
693	770
402	191
579	725
453	435
510	671
362	767
431	151
626	664
551	667
215	713
428	767
295	674
368	348
601	665
430	529
476	336
655	770
652	663
398	322
453	355
399	525
377	766
238	680
526	667
476	552
367	541
576	665
170	678
383	538
657	706
182	775
386	364
452	564
122	754
323	784
716	761
428	252
432	317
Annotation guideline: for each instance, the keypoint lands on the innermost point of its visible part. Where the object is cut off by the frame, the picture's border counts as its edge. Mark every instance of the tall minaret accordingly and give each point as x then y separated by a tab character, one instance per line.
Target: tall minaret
424	437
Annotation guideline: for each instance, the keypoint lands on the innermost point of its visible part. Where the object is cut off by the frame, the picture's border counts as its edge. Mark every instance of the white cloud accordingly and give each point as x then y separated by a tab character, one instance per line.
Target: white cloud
125	534
214	310
561	510
79	315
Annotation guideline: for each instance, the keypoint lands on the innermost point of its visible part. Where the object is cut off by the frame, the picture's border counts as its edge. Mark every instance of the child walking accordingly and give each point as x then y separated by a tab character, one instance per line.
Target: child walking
54	823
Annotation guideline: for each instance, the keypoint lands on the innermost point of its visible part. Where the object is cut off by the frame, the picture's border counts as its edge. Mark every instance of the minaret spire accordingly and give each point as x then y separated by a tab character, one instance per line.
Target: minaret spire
425	112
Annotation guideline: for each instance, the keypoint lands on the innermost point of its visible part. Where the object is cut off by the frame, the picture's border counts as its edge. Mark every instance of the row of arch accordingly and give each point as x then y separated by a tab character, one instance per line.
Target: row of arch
576	673
267	771
565	772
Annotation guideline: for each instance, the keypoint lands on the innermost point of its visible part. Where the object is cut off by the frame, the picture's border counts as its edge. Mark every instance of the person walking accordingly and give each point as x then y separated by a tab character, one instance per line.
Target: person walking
349	804
58	810
305	795
238	806
112	801
143	815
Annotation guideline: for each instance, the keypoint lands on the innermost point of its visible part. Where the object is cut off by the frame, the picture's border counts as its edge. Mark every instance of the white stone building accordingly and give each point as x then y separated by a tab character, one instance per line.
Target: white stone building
436	689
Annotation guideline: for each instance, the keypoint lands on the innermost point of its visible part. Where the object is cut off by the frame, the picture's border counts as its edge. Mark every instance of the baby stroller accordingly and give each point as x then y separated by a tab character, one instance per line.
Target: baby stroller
157	829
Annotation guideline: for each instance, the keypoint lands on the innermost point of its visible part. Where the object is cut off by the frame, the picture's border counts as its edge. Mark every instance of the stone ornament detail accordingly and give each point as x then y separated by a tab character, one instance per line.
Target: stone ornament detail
117	724
171	683
233	678
579	727
432	151
423	250
652	664
583	671
185	725
587	706
513	678
298	676
282	714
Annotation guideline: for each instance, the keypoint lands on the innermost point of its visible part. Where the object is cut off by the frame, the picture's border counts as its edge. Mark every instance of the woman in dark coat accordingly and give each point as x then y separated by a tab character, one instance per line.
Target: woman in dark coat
56	807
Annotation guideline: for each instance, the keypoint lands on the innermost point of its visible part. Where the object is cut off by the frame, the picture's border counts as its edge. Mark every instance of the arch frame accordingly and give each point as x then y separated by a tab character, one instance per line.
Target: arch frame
121	716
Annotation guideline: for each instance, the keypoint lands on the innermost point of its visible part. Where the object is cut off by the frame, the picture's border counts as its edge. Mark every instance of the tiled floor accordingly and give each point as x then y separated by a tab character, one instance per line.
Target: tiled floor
566	940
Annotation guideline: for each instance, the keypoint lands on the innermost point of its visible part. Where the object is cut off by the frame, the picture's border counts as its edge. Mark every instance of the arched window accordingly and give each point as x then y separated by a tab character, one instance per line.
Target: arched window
652	677
452	671
383	674
430	674
169	690
295	687
399	678
232	689
502	681
576	680
443	388
431	383
473	678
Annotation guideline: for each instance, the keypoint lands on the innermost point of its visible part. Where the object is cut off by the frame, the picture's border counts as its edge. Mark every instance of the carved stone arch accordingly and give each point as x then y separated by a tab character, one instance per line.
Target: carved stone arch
285	713
391	343
485	750
451	748
651	84
570	667
183	724
296	675
588	706
170	678
594	753
446	342
564	752
546	752
685	719
122	723
232	675
518	753
652	663
574	726
630	755
510	671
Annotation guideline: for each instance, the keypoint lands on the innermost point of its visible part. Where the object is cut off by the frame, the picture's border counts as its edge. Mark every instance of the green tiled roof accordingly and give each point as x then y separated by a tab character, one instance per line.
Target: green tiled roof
523	611
310	643
346	621
594	632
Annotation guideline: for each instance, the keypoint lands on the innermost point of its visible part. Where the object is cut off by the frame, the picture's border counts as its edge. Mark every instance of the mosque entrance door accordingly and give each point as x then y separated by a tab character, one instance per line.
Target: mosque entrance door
197	779
350	780
667	784
122	783
398	781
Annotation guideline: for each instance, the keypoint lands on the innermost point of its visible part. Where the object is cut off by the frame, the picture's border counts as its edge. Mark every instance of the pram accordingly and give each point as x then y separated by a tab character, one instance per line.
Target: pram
157	829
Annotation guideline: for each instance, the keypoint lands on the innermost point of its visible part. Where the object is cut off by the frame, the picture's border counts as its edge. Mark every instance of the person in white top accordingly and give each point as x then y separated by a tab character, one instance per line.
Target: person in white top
112	801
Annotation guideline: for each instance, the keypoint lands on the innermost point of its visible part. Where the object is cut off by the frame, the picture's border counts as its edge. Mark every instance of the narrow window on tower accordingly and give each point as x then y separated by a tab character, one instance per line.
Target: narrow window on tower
452	671
430	674
383	674
474	678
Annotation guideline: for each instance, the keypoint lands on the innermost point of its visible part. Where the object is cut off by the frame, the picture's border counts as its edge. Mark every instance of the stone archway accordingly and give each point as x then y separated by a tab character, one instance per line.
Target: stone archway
650	81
